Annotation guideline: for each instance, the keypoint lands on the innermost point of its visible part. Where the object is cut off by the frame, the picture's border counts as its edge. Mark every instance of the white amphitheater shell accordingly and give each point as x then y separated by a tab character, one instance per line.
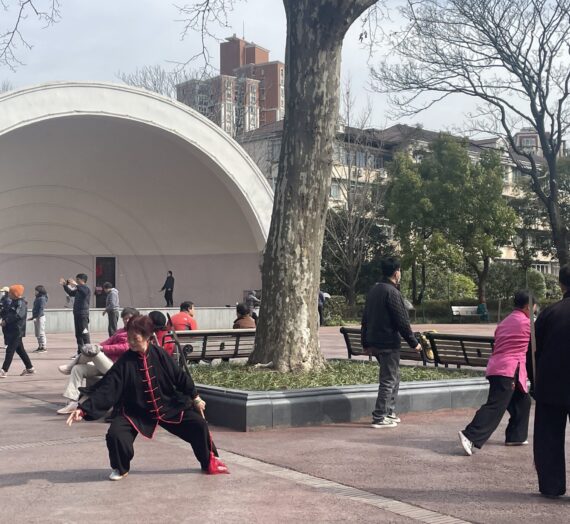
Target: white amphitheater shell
101	178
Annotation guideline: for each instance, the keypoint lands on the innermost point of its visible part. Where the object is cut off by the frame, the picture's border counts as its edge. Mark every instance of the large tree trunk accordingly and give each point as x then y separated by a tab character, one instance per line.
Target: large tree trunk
482	277
287	334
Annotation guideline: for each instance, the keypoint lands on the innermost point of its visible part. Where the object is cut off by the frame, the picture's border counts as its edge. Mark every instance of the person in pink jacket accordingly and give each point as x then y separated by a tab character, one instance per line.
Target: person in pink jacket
95	360
507	376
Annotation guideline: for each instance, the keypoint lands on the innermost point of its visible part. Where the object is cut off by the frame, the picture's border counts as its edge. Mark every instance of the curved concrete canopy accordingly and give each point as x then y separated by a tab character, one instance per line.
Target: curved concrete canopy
91	169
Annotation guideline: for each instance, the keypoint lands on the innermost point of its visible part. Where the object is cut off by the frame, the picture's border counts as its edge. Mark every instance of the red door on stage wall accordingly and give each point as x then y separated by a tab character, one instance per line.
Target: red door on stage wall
104	272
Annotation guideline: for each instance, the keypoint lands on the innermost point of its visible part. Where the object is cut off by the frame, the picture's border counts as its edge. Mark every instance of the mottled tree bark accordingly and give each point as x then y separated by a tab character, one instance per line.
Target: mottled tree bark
287	333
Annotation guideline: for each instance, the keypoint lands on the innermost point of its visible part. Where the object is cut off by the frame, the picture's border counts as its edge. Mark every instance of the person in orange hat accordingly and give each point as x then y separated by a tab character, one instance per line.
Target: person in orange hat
14	324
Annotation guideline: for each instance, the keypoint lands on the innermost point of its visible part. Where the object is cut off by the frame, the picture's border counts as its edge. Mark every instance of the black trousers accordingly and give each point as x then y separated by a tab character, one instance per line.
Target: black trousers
15	345
113	318
169	298
504	395
549	440
193	429
81	324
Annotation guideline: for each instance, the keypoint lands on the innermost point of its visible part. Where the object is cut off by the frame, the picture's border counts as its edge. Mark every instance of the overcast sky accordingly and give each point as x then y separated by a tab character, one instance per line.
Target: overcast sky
96	39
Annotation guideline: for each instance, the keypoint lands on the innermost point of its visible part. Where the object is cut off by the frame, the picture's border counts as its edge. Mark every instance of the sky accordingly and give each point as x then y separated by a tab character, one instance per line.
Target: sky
94	40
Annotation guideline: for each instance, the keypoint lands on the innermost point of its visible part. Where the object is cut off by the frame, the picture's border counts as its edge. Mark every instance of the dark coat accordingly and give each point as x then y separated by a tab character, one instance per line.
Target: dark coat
82	295
147	388
385	318
15	318
168	284
552	385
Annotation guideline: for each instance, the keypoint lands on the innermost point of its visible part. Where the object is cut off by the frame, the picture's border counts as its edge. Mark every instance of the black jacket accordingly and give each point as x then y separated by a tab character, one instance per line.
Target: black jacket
82	296
168	284
552	385
15	318
148	389
385	318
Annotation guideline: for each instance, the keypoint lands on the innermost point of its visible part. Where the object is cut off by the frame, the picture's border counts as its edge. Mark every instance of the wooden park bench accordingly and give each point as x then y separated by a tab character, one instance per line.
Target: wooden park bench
354	347
209	344
458	313
461	350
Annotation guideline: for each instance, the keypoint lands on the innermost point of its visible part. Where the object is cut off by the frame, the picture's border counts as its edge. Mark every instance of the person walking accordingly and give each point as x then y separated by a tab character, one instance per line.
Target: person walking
14	324
39	318
168	289
112	307
384	320
551	390
153	391
82	296
507	376
5	302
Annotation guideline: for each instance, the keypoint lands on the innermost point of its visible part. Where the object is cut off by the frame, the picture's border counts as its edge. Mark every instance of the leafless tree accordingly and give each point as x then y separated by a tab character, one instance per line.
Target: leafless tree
157	79
511	56
287	333
5	86
12	36
357	179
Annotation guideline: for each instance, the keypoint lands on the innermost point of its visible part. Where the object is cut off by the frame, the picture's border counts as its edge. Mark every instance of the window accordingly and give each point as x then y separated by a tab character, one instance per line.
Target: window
335	190
281	76
360	159
528	141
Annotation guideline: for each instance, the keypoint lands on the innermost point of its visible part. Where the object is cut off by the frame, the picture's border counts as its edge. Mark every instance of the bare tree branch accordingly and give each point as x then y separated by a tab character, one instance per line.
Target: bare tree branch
11	37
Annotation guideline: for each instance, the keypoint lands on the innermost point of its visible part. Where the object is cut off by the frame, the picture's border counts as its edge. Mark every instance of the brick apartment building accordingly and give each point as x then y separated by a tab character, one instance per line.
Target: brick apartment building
248	93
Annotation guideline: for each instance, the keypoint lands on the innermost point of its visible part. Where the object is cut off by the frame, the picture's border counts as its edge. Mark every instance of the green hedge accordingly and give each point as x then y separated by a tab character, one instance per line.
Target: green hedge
337	312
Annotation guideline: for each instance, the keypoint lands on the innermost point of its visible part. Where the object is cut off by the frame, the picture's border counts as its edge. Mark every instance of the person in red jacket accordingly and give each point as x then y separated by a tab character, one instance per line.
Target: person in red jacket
95	360
184	321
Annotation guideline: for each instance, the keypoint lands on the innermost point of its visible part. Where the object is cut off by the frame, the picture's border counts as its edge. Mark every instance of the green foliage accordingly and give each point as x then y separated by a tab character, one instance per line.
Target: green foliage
505	279
335	373
552	287
449	207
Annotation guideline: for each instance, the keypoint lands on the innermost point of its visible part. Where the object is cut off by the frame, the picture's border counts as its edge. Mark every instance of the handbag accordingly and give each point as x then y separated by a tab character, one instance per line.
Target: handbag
215	465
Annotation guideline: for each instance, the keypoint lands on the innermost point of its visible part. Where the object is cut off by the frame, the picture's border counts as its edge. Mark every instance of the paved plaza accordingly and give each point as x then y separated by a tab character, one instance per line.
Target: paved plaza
339	473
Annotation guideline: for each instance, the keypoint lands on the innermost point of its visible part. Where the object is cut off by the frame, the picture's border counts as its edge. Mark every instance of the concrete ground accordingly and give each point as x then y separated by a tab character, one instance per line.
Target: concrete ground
348	472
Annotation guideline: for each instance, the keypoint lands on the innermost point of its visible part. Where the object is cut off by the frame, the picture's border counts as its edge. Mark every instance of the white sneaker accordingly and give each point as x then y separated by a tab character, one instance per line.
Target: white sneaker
466	443
393	417
65	369
3	374
383	423
69	408
26	372
115	475
523	443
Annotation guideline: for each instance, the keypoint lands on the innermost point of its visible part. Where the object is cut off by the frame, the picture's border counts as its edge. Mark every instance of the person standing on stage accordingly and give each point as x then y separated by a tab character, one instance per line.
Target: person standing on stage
168	289
551	390
82	296
112	307
507	376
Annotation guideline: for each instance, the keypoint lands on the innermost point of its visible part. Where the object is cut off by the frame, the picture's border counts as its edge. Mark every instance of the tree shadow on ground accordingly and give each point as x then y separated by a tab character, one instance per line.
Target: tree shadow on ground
80	476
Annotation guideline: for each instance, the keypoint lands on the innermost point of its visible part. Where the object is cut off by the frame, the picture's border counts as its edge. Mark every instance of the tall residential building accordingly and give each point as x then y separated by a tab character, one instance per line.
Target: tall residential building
248	93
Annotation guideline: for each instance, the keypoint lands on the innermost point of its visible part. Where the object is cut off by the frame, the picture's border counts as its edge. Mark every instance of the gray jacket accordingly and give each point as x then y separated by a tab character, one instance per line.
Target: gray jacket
112	303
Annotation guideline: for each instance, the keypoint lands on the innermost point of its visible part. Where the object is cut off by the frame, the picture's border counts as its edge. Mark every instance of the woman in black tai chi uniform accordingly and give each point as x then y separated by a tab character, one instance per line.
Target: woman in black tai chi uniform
149	390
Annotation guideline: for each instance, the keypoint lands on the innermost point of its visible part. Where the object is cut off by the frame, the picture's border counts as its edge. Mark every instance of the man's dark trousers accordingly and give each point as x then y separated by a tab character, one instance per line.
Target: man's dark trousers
549	440
81	323
113	317
389	382
168	296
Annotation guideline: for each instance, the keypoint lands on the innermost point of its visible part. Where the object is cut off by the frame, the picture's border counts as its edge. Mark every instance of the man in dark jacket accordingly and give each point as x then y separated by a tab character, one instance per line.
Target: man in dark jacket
551	388
168	289
82	295
385	319
14	324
